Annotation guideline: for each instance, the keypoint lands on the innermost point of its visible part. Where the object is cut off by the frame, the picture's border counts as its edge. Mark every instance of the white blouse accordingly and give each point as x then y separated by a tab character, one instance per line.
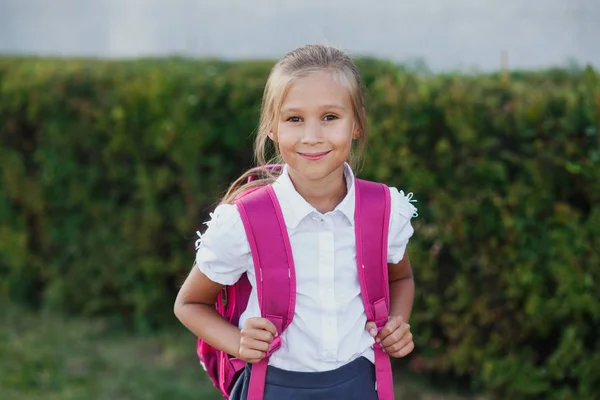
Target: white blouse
328	329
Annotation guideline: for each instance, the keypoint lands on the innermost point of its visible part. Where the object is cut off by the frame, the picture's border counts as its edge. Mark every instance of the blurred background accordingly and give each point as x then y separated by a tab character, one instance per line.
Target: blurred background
123	122
463	34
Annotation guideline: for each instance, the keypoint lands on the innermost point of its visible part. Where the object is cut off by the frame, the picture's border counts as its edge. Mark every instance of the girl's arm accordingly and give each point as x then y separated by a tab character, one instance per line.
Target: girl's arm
395	337
402	288
195	308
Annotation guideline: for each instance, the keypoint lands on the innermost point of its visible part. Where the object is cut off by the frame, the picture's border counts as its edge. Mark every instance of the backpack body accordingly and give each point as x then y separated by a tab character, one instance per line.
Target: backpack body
274	268
223	369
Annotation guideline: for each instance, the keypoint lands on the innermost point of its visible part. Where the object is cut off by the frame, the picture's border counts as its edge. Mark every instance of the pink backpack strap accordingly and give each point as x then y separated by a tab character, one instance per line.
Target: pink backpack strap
274	268
372	218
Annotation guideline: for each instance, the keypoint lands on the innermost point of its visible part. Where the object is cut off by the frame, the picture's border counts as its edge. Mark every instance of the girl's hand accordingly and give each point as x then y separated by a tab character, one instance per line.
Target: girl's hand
256	336
395	337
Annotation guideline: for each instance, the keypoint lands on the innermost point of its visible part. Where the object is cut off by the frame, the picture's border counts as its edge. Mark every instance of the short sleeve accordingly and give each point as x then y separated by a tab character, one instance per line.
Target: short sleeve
223	252
401	230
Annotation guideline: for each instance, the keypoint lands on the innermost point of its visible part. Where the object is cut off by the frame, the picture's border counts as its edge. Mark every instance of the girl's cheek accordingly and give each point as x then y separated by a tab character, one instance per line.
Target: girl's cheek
342	137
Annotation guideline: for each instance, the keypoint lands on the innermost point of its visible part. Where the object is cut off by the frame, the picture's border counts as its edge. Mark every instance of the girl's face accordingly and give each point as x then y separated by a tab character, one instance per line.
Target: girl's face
316	127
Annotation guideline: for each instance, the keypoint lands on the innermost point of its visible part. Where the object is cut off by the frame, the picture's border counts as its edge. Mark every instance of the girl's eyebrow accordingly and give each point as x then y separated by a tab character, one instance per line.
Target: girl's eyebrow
325	106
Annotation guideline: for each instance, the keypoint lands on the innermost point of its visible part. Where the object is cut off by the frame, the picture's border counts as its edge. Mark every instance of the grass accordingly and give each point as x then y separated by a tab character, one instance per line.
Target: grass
47	356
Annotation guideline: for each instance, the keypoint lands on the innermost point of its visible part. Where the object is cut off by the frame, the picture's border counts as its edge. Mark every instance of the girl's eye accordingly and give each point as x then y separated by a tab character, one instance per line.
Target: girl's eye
293	119
330	117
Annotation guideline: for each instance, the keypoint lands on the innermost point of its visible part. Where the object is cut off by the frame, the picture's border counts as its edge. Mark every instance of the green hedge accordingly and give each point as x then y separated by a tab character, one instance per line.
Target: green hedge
108	169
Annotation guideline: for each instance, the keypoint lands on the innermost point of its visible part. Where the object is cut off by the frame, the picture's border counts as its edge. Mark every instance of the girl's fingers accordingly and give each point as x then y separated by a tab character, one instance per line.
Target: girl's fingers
404	351
255	338
394	347
257	334
252	351
262	324
371	328
399	334
390	327
253	344
251	356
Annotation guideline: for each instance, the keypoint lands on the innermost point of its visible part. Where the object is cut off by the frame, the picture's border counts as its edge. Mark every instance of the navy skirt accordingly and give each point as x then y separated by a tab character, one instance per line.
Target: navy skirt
353	381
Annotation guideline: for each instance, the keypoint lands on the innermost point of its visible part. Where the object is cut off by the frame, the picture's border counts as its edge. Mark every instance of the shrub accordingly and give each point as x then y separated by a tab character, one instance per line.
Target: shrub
108	169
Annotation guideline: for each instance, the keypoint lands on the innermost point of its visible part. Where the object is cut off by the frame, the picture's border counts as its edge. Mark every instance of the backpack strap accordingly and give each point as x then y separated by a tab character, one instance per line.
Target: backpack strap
372	218
274	268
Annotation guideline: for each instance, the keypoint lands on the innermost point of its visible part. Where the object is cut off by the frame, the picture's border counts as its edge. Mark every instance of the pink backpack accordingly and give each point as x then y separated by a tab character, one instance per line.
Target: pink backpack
276	281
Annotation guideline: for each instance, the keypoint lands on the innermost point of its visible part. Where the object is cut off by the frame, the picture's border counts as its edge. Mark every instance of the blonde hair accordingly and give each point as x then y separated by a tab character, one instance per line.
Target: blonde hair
297	64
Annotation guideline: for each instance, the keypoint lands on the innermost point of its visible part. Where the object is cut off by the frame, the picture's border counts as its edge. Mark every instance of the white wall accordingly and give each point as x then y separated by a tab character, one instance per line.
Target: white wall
447	34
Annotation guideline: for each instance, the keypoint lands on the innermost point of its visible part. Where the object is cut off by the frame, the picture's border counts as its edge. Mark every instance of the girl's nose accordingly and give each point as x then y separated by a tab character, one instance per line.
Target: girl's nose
312	133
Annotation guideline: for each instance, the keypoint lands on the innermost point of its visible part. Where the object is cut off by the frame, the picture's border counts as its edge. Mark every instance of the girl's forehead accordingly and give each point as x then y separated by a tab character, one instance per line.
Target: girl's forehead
317	87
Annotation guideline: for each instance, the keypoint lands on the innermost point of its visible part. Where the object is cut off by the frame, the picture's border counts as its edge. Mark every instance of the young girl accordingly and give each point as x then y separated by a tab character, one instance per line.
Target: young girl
313	113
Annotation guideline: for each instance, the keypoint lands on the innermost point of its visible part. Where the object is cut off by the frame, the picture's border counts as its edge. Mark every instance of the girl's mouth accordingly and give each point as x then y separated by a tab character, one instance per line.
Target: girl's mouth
314	156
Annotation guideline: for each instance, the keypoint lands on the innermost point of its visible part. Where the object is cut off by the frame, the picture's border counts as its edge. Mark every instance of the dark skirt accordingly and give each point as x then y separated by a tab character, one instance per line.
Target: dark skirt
353	381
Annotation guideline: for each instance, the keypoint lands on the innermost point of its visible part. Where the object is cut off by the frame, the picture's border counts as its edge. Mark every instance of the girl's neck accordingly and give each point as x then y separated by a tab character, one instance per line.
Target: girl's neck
325	194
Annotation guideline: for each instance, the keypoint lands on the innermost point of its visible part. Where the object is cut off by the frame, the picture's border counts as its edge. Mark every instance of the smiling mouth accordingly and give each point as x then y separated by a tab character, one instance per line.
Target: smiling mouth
314	156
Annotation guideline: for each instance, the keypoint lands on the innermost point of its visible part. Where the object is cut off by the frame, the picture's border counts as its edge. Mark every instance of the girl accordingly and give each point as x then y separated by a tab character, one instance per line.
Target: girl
313	113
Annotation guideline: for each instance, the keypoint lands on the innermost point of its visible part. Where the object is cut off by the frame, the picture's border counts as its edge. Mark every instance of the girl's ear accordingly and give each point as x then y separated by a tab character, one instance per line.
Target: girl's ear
273	136
356	132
